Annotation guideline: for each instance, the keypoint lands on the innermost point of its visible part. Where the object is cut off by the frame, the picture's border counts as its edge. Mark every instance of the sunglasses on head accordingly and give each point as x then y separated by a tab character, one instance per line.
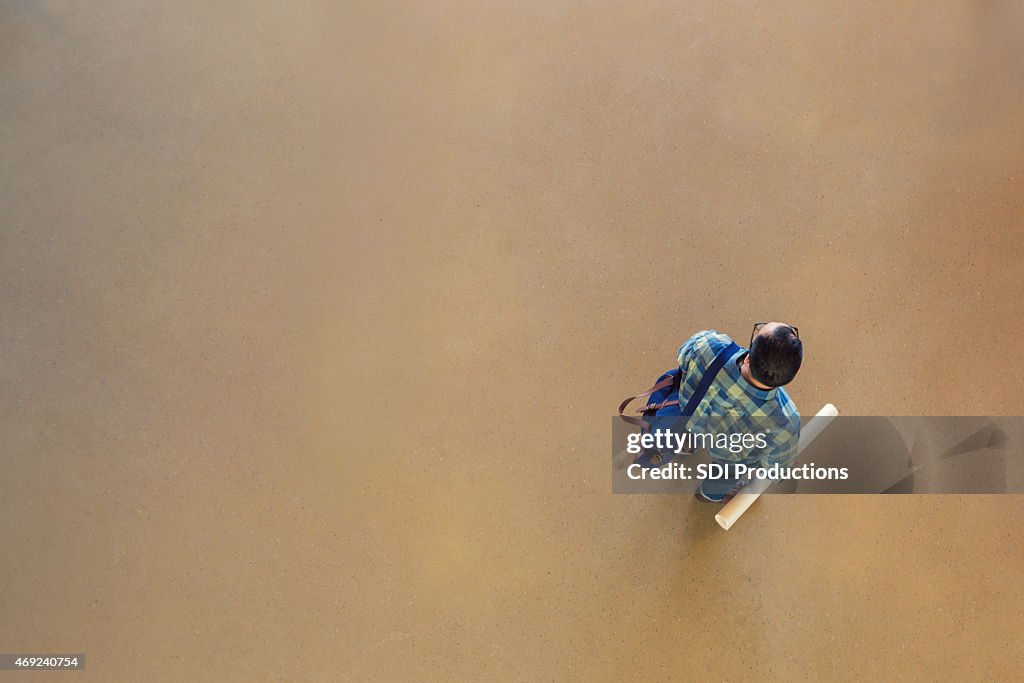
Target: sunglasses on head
758	326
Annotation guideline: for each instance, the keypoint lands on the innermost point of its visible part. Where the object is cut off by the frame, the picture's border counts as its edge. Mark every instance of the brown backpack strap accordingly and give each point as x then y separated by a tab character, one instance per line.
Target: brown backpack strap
657	406
667	382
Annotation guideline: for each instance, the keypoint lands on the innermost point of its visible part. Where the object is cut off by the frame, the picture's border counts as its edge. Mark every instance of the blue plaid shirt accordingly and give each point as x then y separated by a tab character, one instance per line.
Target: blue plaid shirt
733	405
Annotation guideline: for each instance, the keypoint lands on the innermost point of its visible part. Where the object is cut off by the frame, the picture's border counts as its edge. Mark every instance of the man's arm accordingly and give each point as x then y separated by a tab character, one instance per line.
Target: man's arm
688	356
782	442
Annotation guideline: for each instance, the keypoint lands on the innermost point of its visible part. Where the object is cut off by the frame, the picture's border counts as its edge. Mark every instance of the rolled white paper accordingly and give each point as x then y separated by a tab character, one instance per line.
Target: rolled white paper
735	508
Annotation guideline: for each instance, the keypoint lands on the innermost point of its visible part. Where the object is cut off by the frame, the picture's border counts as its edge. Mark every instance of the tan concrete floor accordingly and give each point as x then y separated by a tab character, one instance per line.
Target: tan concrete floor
313	316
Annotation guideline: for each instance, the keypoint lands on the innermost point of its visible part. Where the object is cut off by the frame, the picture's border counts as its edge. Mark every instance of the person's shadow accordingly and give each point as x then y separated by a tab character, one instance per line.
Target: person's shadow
907	455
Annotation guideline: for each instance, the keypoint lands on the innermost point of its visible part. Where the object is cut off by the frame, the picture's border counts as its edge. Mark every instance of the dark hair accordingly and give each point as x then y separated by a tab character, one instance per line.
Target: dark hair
776	357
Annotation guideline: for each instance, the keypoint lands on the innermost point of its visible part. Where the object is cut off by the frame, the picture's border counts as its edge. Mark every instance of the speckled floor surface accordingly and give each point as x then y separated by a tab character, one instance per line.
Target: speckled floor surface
313	316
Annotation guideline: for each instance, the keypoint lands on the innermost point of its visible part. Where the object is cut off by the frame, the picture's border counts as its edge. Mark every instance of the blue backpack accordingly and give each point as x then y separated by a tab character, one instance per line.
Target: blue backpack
662	410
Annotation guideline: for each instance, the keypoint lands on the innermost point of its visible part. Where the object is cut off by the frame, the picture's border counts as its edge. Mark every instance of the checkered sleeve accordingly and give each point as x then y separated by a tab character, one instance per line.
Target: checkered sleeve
782	446
698	351
686	356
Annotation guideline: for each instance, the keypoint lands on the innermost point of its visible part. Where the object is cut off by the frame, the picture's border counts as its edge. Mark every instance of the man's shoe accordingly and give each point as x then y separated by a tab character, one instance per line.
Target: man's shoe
718	491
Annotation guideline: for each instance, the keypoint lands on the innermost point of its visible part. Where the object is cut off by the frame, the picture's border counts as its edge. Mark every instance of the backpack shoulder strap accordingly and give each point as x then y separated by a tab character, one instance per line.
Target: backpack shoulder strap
709	376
